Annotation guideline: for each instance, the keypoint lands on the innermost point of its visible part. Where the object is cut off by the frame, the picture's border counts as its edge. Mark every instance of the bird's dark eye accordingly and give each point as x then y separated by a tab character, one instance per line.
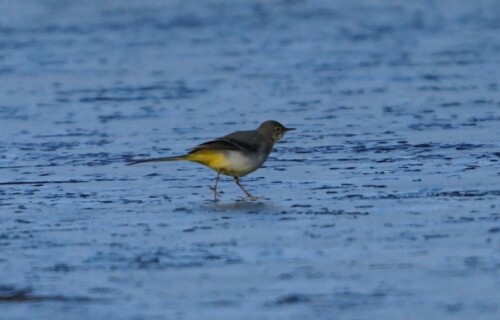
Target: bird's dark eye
278	129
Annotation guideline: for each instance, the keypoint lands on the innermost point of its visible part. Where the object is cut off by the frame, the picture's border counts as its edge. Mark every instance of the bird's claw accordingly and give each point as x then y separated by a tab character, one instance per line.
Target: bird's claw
252	197
216	193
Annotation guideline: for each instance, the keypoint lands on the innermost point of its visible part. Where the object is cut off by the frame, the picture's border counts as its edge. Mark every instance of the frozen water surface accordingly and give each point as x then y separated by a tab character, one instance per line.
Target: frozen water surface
383	204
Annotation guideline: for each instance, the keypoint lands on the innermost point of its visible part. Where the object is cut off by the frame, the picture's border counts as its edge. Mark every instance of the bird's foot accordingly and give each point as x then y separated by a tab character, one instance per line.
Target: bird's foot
252	197
216	193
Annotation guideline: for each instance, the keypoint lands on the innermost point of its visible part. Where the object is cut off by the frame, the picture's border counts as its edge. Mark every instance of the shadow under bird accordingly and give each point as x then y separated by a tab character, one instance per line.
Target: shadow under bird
236	154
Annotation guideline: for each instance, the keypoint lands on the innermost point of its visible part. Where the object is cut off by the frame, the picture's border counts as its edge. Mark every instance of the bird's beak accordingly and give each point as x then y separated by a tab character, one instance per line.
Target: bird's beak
289	129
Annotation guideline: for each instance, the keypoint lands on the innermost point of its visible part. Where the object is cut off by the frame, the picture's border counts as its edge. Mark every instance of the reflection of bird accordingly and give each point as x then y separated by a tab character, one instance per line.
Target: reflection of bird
236	154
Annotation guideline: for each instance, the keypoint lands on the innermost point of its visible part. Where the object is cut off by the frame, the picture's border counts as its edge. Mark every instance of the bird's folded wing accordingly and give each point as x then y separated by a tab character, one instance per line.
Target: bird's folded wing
239	141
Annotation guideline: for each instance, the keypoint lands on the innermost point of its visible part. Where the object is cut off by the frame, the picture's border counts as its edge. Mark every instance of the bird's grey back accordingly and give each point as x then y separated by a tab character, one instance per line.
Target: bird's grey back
248	141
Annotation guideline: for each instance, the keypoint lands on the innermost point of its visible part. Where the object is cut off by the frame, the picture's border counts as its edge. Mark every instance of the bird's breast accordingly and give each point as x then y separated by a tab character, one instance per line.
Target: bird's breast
240	164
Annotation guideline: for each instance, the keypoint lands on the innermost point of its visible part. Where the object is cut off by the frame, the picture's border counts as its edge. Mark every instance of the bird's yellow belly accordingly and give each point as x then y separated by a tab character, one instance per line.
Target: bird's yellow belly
231	163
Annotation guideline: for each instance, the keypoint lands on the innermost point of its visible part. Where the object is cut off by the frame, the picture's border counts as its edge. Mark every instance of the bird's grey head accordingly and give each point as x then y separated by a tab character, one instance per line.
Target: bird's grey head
273	129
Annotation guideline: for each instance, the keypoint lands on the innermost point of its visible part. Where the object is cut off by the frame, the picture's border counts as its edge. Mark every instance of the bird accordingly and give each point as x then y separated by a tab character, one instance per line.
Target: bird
236	154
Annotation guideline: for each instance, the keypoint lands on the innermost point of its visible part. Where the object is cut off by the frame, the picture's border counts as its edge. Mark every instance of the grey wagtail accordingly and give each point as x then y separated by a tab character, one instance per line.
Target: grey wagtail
236	155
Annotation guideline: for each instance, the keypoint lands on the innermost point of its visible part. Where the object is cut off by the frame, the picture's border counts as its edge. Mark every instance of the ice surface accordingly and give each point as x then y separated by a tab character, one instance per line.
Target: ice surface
383	204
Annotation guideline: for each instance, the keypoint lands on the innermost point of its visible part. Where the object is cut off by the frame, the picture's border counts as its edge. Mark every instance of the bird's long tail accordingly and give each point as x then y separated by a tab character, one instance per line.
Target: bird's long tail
175	158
